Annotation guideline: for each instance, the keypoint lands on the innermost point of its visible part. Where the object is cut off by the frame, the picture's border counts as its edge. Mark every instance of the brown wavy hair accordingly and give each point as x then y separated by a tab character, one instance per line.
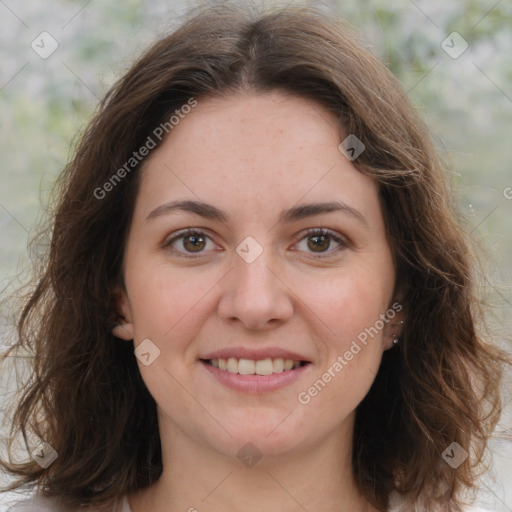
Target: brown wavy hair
85	396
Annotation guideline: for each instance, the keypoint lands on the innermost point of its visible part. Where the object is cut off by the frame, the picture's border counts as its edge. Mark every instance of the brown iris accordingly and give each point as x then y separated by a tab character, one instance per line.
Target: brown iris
194	243
323	239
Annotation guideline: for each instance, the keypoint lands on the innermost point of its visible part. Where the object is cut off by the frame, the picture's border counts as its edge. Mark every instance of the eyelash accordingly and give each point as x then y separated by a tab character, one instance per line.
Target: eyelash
309	233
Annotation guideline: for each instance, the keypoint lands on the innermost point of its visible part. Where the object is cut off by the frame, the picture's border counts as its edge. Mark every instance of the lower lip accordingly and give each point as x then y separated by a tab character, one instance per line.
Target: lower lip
256	383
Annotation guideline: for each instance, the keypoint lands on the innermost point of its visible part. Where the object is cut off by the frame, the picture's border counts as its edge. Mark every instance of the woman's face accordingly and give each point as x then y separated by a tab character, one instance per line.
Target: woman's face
252	287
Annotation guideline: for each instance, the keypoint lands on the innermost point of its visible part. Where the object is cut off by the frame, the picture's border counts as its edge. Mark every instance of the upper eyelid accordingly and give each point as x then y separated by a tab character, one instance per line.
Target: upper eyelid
176	235
182	233
337	237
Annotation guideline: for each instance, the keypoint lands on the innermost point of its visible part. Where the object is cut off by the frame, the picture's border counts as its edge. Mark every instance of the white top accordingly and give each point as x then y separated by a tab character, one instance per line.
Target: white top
40	504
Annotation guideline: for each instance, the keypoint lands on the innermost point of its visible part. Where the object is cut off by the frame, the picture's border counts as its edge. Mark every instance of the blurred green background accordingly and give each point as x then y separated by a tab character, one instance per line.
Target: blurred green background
466	100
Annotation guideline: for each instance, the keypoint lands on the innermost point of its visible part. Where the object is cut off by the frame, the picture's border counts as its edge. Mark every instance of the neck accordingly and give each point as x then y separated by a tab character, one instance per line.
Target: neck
198	478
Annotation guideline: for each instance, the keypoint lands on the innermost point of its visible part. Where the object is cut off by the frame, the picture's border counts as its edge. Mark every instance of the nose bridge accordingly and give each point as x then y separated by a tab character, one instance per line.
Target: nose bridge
252	266
253	293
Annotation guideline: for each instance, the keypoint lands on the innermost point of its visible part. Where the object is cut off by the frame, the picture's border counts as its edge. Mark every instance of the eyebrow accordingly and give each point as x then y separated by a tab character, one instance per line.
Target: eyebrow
294	214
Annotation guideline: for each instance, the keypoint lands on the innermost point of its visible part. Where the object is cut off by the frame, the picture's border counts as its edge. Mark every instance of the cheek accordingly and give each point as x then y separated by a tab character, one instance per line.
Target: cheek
349	302
352	306
351	347
169	306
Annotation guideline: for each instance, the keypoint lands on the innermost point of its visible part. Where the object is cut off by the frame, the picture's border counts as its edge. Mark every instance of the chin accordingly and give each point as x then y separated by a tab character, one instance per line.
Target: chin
272	434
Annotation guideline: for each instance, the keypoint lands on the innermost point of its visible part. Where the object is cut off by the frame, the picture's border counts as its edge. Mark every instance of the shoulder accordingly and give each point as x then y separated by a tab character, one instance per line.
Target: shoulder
478	509
398	503
467	508
53	504
37	504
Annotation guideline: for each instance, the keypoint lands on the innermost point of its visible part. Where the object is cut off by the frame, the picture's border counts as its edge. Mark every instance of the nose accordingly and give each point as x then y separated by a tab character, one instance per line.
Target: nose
256	294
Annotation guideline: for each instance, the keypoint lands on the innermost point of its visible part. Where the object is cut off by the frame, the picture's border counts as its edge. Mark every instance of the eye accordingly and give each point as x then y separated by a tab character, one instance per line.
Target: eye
192	243
318	241
187	243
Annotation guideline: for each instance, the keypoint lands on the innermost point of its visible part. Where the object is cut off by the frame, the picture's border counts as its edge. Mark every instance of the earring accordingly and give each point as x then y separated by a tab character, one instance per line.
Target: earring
395	339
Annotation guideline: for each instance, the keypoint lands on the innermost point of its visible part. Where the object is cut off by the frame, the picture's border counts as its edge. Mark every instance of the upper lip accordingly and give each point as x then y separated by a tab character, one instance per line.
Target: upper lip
254	354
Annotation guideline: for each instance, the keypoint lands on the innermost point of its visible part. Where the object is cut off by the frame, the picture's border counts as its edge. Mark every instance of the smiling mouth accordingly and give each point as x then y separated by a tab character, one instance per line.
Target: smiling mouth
255	367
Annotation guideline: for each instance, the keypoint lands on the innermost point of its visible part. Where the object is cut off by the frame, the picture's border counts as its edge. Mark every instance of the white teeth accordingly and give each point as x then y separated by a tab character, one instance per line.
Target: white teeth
253	367
246	367
288	364
278	365
232	365
264	367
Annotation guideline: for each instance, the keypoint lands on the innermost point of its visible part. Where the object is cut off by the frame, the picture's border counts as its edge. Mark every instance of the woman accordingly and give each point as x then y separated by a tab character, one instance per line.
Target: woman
257	296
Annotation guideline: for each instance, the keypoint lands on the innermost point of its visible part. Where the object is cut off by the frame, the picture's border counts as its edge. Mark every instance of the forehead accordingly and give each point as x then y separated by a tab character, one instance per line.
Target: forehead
254	149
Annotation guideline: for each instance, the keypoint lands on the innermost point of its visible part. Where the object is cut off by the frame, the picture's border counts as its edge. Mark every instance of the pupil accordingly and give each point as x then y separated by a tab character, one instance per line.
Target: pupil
323	239
196	242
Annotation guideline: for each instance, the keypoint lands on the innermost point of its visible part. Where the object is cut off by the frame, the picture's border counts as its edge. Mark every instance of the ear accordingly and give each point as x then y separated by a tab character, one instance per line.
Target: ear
124	329
394	327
